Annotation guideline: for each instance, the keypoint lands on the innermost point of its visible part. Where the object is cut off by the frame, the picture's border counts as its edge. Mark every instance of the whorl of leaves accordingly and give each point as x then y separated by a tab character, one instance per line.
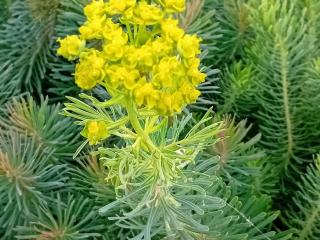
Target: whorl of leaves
42	122
26	179
304	215
24	45
70	217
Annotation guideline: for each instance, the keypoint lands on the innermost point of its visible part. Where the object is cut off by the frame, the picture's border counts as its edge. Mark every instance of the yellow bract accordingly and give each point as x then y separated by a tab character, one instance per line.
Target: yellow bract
93	29
95	9
171	29
95	131
144	14
90	70
121	77
114	7
140	53
189	46
168	73
174	5
71	47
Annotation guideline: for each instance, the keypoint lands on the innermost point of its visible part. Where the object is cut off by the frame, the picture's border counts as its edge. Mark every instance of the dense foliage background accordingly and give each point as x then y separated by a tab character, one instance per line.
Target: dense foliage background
262	61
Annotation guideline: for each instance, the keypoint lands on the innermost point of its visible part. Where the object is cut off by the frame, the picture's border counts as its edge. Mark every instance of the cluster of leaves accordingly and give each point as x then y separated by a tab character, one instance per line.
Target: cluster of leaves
271	77
268	55
36	197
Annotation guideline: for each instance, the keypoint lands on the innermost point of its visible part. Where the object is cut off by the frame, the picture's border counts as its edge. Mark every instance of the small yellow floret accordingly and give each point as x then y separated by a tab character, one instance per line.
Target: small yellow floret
115	7
71	47
196	76
113	51
173	6
93	29
116	35
143	14
95	131
189	93
95	9
161	47
120	77
140	57
146	94
115	45
90	70
189	46
171	29
168	73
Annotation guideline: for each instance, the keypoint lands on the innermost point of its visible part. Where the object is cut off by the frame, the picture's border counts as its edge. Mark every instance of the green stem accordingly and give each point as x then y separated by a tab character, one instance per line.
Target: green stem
285	86
133	117
131	39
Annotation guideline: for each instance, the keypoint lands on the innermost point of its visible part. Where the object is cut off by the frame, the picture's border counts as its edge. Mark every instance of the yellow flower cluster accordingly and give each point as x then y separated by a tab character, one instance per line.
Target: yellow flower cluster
143	53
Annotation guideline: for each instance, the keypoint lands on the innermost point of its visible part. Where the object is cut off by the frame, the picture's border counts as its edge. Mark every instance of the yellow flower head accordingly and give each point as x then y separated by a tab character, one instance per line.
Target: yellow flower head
71	47
92	29
189	93
90	70
115	7
141	53
115	45
141	57
174	6
168	73
161	47
193	72
113	51
189	46
95	9
171	29
144	14
121	77
116	35
95	131
146	94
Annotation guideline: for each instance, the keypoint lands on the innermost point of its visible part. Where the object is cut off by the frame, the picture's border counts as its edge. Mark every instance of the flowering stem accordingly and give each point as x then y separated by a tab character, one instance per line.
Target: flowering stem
131	39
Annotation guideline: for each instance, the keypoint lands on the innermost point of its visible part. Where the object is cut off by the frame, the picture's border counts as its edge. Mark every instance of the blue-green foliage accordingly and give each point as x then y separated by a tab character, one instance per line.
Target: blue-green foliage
27	177
266	54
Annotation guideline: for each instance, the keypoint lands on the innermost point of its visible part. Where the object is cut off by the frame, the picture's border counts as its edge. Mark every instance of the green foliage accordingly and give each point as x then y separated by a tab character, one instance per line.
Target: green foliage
310	9
8	89
43	123
69	19
158	193
311	107
234	29
90	180
272	78
247	221
4	10
25	45
268	81
238	90
26	178
304	215
280	52
235	156
223	173
179	216
70	218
